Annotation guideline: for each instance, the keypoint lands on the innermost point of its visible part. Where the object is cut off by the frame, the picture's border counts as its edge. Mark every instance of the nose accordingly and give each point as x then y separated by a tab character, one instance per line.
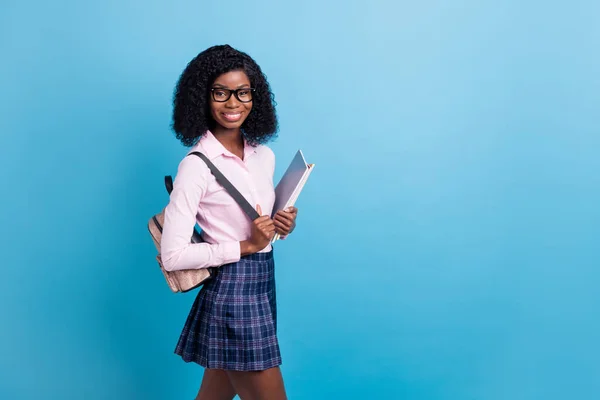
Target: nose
232	102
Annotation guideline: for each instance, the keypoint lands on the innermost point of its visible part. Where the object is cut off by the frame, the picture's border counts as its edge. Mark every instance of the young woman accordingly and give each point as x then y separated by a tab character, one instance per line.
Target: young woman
223	108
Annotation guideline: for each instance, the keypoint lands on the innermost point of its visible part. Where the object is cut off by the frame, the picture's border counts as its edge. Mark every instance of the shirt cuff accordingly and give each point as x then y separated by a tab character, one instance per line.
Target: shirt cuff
230	252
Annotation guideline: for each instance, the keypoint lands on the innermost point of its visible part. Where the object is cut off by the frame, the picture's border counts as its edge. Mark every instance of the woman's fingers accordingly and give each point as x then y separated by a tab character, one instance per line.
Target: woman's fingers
285	217
267	227
282	230
283	223
292	210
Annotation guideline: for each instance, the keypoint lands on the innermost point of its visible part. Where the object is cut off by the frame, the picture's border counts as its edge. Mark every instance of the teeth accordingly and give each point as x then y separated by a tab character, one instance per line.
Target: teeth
232	116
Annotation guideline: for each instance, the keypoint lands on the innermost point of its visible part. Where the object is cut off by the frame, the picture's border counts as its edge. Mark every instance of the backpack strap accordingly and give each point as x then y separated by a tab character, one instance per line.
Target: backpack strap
233	192
169	183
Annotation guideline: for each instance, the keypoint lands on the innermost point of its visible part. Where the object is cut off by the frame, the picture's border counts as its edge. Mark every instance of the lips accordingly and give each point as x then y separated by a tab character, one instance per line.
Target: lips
232	117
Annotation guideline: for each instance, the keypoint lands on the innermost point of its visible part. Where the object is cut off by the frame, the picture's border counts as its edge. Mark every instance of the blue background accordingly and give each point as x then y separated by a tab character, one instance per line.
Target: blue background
447	242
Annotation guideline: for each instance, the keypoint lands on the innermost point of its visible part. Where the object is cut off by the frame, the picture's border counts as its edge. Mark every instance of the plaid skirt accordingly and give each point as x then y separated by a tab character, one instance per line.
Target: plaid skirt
232	324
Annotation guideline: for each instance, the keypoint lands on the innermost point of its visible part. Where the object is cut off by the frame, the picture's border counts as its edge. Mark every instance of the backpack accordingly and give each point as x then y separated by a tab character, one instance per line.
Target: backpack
181	281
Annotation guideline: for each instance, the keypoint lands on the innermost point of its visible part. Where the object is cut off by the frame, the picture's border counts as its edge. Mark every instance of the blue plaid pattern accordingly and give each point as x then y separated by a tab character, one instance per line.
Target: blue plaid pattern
232	324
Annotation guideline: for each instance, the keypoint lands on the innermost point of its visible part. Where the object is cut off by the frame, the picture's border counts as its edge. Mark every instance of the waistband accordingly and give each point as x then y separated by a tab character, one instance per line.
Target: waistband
267	256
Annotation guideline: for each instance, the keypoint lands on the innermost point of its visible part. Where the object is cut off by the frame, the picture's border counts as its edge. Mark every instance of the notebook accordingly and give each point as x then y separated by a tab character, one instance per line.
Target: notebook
289	187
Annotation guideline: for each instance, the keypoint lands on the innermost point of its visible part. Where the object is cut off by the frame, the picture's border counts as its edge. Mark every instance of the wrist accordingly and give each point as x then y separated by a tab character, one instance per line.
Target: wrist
246	248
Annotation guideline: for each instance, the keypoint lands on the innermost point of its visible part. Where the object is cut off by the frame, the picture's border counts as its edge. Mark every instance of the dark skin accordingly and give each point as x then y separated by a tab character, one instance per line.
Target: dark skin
229	117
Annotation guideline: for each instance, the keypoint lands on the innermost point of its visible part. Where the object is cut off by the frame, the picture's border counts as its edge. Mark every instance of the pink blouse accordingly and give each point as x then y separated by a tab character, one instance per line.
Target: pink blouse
197	197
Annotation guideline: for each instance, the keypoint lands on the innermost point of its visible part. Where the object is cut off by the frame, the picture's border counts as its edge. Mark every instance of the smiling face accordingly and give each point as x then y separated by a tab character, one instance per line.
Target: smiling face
230	113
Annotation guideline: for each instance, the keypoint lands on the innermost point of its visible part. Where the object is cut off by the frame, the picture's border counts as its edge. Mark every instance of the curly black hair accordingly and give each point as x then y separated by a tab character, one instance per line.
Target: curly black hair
191	108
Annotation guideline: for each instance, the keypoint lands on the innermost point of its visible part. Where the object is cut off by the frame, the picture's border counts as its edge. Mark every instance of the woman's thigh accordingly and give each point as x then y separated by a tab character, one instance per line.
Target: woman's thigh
258	385
215	386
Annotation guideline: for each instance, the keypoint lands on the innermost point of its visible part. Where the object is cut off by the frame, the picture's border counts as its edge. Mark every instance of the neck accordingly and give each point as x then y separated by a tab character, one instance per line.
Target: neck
231	139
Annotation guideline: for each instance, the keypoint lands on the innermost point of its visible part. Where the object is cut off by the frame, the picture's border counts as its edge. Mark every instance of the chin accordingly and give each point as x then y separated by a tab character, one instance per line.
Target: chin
231	125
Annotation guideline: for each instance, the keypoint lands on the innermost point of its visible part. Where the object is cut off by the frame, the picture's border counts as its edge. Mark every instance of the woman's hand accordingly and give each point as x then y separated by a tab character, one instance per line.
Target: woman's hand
285	221
263	230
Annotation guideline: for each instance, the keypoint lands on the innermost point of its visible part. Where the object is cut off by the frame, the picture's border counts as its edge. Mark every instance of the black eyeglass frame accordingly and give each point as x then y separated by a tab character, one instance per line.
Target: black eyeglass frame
234	92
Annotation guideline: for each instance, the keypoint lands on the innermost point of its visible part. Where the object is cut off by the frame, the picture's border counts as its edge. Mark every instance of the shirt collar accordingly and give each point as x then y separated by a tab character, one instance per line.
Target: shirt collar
213	148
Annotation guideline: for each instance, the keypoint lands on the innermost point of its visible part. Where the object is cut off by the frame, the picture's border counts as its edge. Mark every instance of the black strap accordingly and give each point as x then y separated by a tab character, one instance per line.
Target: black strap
169	183
237	196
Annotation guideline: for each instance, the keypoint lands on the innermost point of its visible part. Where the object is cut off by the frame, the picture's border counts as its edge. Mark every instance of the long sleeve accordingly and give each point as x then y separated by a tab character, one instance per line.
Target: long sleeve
177	252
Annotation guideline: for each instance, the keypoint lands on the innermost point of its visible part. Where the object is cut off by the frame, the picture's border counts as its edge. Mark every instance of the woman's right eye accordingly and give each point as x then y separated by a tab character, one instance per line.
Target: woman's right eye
219	93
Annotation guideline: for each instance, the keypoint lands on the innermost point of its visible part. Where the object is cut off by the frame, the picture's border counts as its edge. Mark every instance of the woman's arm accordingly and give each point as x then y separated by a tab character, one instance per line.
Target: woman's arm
177	252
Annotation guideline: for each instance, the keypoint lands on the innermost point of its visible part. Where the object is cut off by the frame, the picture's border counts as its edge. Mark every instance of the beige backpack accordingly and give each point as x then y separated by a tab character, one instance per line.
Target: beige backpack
182	281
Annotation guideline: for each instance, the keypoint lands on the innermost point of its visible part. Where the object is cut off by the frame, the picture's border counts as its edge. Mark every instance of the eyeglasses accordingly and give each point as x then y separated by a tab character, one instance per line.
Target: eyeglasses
221	95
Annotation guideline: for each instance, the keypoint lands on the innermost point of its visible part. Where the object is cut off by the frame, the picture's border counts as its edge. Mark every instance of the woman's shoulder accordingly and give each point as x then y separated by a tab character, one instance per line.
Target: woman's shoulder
192	169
